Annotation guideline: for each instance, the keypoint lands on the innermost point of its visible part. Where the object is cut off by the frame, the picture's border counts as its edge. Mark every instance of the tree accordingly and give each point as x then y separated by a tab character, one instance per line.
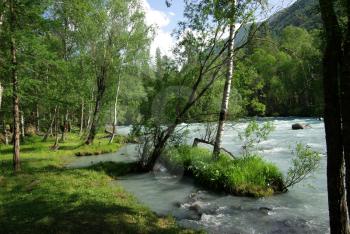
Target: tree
109	44
201	56
231	12
336	77
18	20
228	82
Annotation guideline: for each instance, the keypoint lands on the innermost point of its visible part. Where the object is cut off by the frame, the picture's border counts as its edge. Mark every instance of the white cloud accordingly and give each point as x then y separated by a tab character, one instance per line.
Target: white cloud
172	13
163	39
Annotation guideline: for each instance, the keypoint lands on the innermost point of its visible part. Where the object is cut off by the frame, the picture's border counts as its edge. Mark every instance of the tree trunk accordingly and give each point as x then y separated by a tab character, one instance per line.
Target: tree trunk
16	111
1	91
49	130
226	95
22	126
82	118
115	122
333	121
158	150
65	127
345	102
37	117
56	145
196	141
88	124
101	87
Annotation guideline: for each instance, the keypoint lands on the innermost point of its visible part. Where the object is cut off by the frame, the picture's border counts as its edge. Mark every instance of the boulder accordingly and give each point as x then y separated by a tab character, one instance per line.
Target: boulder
298	126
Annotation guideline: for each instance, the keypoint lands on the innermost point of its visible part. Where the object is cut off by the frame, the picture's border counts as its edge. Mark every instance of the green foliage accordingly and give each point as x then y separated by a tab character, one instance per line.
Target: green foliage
253	135
305	162
280	75
246	176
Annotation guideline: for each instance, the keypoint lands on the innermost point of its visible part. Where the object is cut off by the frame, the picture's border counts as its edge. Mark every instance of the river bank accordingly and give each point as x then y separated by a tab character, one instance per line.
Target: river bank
47	197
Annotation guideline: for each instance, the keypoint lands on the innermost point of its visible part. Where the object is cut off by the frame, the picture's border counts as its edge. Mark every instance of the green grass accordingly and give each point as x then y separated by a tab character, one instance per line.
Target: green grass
246	176
47	198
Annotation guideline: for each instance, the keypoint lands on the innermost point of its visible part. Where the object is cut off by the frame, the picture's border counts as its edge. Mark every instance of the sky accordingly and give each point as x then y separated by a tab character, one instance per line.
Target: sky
166	19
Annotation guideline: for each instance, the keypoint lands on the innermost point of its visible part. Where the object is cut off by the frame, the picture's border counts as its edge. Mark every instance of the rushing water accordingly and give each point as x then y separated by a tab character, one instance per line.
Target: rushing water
303	209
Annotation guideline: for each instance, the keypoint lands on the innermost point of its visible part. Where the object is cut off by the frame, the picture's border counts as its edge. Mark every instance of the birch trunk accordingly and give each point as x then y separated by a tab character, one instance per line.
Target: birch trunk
115	122
88	125
226	95
82	117
15	97
22	126
65	126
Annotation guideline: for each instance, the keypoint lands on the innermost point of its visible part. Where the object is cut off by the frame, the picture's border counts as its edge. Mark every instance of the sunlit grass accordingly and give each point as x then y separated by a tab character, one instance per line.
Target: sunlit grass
47	198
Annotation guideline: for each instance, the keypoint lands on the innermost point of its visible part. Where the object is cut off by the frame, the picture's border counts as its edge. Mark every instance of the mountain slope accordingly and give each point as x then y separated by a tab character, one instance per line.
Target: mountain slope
303	13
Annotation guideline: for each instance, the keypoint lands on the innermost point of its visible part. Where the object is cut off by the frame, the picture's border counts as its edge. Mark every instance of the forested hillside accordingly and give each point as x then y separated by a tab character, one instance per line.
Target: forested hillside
303	13
280	74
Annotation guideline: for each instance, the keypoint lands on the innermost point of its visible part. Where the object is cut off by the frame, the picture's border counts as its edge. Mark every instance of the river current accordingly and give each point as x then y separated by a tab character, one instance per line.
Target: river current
304	209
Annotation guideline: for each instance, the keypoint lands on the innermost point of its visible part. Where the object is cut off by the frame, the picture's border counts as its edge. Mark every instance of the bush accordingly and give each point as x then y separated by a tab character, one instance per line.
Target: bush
305	162
247	176
253	135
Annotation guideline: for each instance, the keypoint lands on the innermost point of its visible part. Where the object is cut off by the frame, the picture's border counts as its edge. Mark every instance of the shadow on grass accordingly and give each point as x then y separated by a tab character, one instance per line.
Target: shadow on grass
114	169
33	207
41	216
27	168
70	147
24	149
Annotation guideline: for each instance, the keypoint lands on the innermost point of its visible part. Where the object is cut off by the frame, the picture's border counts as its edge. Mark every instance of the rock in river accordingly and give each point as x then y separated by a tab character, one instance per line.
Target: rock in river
299	126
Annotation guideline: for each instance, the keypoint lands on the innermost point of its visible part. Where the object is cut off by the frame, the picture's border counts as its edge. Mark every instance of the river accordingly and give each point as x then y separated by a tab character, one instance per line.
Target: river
304	209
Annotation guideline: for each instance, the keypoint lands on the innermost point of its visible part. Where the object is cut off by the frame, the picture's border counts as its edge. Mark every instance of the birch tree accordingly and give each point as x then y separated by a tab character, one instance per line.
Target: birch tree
234	12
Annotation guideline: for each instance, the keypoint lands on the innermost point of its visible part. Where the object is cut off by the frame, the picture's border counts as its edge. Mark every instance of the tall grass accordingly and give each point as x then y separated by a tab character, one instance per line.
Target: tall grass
246	176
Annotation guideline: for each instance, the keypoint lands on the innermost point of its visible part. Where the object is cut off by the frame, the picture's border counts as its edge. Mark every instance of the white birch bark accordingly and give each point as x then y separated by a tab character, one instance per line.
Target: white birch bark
226	94
115	122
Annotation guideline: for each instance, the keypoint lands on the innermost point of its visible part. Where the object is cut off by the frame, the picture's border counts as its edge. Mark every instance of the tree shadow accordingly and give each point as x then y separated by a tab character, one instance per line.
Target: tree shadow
115	169
17	216
23	150
70	147
45	208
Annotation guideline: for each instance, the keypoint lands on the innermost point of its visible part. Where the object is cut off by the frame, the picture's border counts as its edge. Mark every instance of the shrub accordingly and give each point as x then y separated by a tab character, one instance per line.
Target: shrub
253	135
305	162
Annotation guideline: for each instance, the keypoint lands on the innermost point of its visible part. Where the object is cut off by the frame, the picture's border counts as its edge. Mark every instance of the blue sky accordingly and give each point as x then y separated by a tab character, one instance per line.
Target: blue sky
167	18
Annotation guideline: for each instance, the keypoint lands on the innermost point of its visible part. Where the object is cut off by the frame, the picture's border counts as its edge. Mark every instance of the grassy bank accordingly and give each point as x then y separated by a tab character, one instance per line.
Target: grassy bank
47	198
247	176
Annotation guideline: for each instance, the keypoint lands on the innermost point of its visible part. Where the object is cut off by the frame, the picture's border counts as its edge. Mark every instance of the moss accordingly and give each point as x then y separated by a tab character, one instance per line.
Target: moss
47	198
246	176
